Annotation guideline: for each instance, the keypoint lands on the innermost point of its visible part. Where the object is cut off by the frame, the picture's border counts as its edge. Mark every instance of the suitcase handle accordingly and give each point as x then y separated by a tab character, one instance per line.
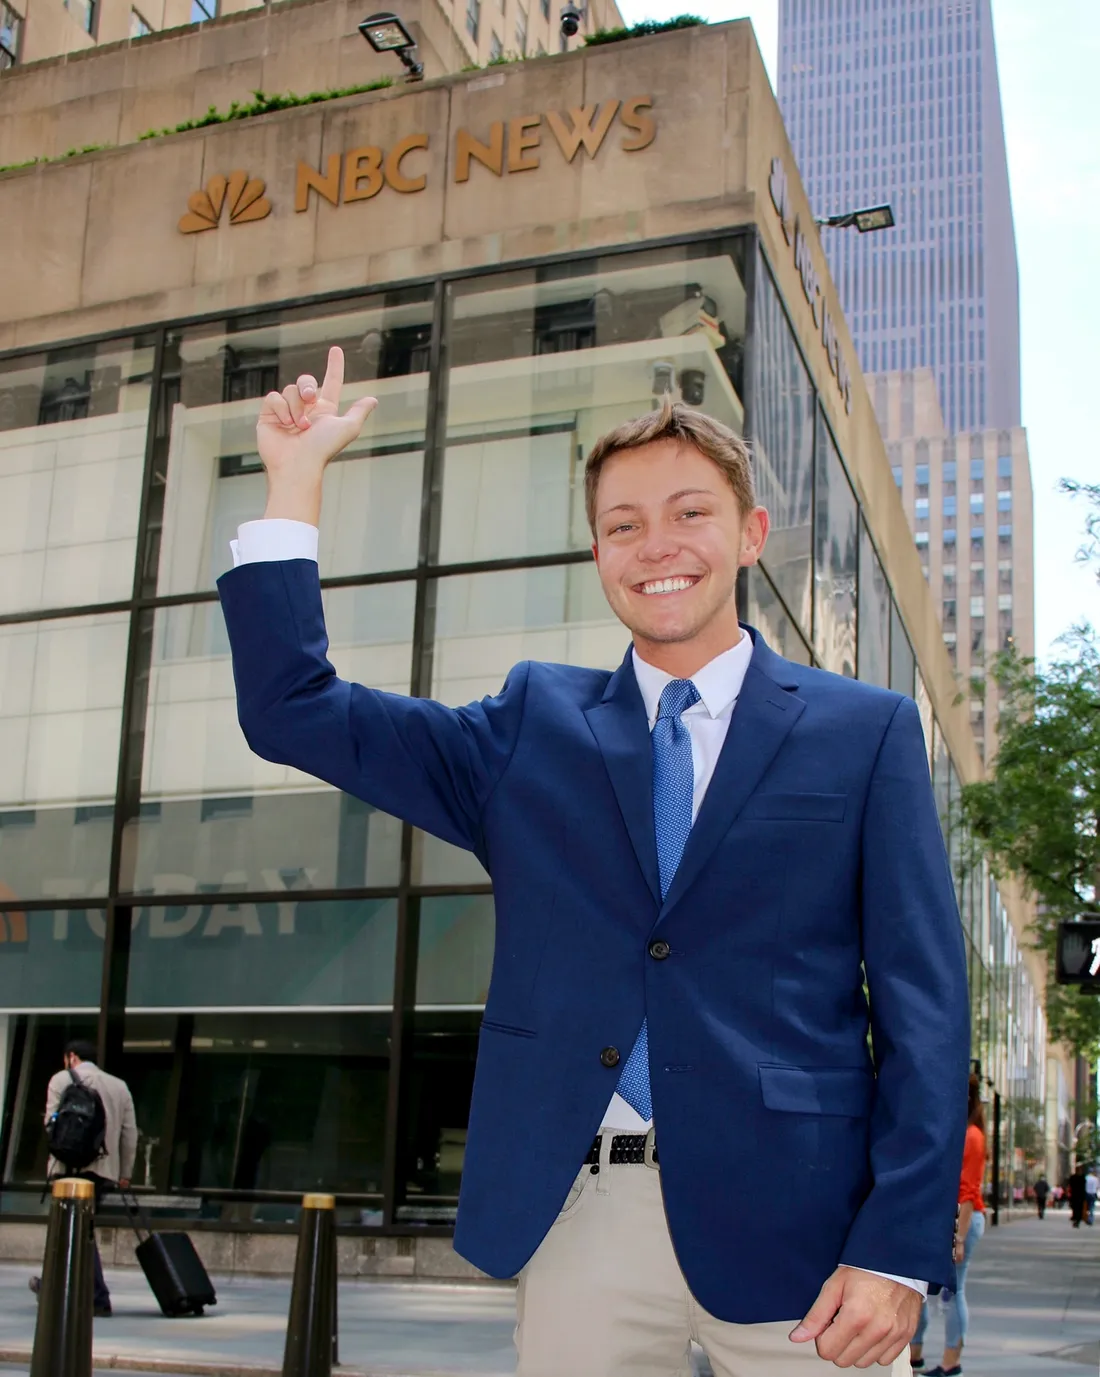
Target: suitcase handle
138	1218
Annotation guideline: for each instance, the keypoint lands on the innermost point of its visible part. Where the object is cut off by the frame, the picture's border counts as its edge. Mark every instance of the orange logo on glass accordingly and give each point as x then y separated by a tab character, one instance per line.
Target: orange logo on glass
244	195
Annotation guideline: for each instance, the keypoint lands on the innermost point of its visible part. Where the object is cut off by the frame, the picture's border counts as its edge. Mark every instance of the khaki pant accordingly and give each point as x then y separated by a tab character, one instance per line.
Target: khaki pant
604	1296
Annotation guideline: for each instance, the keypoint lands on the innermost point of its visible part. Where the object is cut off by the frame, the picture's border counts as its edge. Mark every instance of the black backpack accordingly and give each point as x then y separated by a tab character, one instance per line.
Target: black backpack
77	1131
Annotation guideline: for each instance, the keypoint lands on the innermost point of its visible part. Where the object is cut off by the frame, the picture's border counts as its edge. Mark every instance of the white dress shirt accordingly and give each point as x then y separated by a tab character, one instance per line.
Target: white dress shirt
718	684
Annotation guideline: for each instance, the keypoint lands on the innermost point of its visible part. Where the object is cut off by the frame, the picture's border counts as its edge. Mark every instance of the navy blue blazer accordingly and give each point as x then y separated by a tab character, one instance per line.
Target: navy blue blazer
785	1147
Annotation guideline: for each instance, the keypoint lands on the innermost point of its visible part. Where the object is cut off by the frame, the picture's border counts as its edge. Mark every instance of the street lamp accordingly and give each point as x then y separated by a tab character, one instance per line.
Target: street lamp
386	34
866	221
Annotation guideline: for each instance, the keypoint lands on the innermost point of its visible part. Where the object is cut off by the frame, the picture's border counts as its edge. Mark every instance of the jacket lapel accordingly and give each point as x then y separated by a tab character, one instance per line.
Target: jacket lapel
763	716
621	729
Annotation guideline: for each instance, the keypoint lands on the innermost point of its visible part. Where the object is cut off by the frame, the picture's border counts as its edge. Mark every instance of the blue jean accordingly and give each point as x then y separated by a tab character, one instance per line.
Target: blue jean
956	1315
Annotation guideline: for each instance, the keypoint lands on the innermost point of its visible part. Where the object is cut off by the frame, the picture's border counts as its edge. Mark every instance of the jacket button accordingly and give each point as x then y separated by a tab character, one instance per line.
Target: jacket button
659	949
610	1056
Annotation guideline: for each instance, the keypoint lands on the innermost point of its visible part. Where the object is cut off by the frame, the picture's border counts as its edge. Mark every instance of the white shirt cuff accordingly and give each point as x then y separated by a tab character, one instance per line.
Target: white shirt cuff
921	1287
272	539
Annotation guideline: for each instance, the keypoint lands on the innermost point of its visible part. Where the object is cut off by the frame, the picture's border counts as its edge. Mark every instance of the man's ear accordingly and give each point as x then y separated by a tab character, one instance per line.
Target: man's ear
754	536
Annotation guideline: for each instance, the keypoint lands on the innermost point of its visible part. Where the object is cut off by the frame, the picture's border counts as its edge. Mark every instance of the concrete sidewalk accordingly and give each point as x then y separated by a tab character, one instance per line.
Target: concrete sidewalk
1034	1293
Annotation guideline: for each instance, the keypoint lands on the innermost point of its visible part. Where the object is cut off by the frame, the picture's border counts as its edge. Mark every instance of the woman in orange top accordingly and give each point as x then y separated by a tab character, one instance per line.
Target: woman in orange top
971	1227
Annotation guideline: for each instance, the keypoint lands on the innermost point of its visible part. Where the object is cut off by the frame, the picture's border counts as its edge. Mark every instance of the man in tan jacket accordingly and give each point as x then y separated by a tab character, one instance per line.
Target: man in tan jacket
115	1163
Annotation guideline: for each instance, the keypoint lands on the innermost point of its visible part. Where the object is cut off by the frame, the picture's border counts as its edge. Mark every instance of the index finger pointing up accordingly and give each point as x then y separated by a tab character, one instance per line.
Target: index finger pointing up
334	376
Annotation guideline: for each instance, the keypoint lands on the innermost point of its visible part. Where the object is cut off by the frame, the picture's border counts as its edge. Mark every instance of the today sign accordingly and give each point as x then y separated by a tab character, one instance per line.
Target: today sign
810	279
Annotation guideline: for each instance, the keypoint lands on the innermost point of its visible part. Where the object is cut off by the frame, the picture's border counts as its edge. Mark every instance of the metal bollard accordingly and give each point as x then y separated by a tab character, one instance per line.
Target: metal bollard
311	1324
63	1332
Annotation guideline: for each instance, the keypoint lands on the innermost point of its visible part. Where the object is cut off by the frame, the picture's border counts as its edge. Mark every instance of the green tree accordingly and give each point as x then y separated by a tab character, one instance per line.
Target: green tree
1037	814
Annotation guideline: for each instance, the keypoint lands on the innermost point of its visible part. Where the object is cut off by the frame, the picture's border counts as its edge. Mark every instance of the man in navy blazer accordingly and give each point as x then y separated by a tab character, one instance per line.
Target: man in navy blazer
716	873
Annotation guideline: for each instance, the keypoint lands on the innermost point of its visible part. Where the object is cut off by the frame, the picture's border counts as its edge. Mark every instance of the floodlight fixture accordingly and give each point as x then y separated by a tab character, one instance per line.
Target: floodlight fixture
386	34
866	221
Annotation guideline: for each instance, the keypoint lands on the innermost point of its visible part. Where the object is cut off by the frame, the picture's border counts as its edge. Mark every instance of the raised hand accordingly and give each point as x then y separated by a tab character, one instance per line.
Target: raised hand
298	432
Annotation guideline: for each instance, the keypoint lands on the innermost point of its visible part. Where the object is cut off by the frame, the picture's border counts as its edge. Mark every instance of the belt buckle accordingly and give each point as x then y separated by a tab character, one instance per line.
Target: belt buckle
648	1151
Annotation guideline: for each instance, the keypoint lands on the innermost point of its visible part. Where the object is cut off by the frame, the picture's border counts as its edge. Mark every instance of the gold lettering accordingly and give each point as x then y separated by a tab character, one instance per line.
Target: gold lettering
582	130
490	155
362	164
519	141
644	125
394	176
327	185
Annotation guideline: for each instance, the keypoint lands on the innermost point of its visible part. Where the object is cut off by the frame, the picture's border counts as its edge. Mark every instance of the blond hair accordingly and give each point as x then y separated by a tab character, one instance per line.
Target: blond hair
674	421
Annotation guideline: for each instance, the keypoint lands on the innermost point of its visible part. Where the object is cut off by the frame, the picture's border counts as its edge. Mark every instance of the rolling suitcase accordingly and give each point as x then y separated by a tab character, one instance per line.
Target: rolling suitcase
172	1268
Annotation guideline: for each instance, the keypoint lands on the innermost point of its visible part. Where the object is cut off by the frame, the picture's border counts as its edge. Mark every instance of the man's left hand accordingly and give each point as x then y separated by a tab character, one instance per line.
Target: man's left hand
860	1319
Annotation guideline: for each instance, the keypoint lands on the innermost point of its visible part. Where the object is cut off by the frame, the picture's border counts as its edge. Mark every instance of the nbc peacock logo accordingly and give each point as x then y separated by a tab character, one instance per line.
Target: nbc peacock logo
244	195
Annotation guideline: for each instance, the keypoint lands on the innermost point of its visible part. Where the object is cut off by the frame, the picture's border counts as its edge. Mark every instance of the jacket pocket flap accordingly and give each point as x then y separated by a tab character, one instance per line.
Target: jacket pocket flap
818	1089
796	807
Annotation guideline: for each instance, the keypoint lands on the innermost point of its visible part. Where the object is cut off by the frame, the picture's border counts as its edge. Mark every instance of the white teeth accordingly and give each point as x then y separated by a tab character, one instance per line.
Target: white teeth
667	586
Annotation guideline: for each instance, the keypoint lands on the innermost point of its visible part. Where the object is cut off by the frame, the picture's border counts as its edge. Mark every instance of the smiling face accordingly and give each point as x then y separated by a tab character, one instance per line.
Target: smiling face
670	537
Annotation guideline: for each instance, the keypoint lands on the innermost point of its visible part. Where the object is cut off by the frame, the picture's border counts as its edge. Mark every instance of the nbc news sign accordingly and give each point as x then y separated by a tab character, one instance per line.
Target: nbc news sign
1079	953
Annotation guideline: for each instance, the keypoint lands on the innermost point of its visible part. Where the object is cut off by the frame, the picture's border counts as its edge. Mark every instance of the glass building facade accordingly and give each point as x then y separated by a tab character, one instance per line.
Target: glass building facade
291	981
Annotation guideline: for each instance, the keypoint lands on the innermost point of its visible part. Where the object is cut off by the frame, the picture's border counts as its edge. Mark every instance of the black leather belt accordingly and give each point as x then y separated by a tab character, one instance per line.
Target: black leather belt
627	1150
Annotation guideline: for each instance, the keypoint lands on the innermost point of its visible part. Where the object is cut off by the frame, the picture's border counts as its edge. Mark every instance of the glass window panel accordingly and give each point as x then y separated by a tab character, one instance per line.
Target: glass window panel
768	615
455	957
544	361
924	707
903	663
214	816
60	718
455	951
836	534
782	441
487	623
72	448
210	477
31	1050
267	1102
298	953
51	959
940	766
874	614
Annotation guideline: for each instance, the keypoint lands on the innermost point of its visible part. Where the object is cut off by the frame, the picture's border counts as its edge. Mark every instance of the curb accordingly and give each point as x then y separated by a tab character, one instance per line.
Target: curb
185	1367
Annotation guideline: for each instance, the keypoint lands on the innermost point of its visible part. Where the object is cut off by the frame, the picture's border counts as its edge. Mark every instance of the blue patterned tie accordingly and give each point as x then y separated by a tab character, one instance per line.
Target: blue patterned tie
673	788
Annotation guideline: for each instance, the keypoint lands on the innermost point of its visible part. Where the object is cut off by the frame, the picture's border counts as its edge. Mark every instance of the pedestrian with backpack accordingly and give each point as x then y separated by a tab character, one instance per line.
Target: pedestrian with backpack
92	1132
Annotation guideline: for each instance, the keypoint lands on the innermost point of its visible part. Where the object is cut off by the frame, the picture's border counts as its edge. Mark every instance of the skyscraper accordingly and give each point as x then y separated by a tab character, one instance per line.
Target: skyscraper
898	101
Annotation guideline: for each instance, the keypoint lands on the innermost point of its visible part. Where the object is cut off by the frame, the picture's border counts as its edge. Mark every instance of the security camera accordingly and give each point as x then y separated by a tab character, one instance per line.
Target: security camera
693	386
570	20
663	377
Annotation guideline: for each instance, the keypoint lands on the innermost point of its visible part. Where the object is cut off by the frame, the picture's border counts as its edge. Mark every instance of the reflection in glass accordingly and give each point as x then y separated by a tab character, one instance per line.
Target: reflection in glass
874	614
486	623
783	447
296	953
289	1103
903	662
940	782
544	361
210	477
455	955
60	717
51	959
768	615
72	444
836	533
924	707
217	817
37	1048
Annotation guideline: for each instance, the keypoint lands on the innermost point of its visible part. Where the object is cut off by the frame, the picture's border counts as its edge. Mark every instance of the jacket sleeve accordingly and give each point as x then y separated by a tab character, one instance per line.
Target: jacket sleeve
128	1137
920	1021
430	765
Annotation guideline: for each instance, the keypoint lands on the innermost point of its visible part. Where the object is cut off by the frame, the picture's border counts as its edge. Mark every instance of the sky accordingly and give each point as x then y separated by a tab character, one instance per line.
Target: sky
1048	56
